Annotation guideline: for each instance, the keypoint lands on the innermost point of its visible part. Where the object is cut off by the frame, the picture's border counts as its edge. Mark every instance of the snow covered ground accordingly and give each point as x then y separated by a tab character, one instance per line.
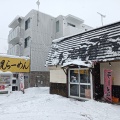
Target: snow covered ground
38	104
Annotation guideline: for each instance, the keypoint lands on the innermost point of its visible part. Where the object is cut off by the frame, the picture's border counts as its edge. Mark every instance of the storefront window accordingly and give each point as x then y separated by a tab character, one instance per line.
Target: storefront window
84	76
85	91
74	76
79	83
74	90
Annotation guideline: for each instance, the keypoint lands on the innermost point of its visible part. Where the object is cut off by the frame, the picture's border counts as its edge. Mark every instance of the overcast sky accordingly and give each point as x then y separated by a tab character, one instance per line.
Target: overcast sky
84	9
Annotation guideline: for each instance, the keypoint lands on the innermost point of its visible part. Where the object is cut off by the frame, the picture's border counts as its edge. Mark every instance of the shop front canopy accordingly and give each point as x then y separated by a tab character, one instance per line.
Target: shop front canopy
79	63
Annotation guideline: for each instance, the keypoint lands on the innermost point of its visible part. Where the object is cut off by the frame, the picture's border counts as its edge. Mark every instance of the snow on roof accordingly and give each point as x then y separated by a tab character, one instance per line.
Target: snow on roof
15	21
59	39
5	73
79	63
74	18
101	44
13	56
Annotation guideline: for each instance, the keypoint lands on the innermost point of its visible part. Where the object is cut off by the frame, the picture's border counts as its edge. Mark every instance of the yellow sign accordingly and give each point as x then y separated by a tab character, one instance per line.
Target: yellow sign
81	71
14	64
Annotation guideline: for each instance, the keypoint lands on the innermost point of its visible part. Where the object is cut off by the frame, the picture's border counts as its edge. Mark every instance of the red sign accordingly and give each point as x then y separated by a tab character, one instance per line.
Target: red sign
108	85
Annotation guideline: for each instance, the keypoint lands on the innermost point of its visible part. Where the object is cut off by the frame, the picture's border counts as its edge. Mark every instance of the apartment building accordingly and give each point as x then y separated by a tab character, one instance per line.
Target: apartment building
32	36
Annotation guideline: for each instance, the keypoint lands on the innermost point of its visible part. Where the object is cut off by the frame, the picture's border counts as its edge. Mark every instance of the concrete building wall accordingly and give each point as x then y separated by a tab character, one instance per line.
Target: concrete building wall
61	23
70	30
41	32
41	39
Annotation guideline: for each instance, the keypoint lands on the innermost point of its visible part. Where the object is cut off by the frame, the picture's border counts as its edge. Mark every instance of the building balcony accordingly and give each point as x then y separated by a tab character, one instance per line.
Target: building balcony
74	19
15	35
17	20
15	50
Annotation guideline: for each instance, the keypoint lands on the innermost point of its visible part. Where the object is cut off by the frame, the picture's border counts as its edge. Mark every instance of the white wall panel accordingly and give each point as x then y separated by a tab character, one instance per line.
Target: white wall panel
115	72
57	76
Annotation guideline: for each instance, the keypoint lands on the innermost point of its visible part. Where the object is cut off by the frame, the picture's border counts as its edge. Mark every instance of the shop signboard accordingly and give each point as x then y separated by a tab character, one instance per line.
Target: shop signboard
14	64
108	85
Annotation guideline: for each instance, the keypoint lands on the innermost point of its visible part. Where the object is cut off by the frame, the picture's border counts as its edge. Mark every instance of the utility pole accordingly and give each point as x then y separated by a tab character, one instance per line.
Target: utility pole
102	16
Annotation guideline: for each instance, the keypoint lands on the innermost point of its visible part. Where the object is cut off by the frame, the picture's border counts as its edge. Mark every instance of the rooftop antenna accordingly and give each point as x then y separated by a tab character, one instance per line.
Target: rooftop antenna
38	4
102	16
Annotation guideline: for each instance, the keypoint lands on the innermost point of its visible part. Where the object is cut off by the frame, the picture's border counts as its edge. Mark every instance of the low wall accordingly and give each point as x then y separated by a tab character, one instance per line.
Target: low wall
59	88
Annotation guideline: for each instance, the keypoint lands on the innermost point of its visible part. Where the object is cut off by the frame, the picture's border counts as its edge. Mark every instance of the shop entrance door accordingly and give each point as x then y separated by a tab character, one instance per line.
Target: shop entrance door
80	83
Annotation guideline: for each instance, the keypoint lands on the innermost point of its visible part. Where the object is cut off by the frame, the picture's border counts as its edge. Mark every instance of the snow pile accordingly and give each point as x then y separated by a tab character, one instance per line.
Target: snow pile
78	62
14	56
38	104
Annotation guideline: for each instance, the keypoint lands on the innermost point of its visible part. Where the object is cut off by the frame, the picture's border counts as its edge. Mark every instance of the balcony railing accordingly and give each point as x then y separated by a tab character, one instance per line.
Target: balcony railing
15	35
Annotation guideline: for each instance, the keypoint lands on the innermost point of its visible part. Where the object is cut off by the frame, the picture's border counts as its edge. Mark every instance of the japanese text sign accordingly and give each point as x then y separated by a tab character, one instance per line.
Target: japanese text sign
14	64
108	85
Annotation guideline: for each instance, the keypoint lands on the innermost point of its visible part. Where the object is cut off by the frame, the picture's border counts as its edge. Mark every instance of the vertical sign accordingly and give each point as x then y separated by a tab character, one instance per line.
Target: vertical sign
108	85
21	78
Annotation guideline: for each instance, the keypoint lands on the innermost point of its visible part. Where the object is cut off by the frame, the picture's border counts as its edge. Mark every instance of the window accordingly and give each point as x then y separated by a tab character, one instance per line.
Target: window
27	40
14	88
25	77
69	24
57	26
27	24
15	75
14	82
79	83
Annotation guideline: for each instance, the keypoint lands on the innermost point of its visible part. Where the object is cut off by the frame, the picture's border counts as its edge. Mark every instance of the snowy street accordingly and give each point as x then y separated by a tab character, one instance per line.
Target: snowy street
38	104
